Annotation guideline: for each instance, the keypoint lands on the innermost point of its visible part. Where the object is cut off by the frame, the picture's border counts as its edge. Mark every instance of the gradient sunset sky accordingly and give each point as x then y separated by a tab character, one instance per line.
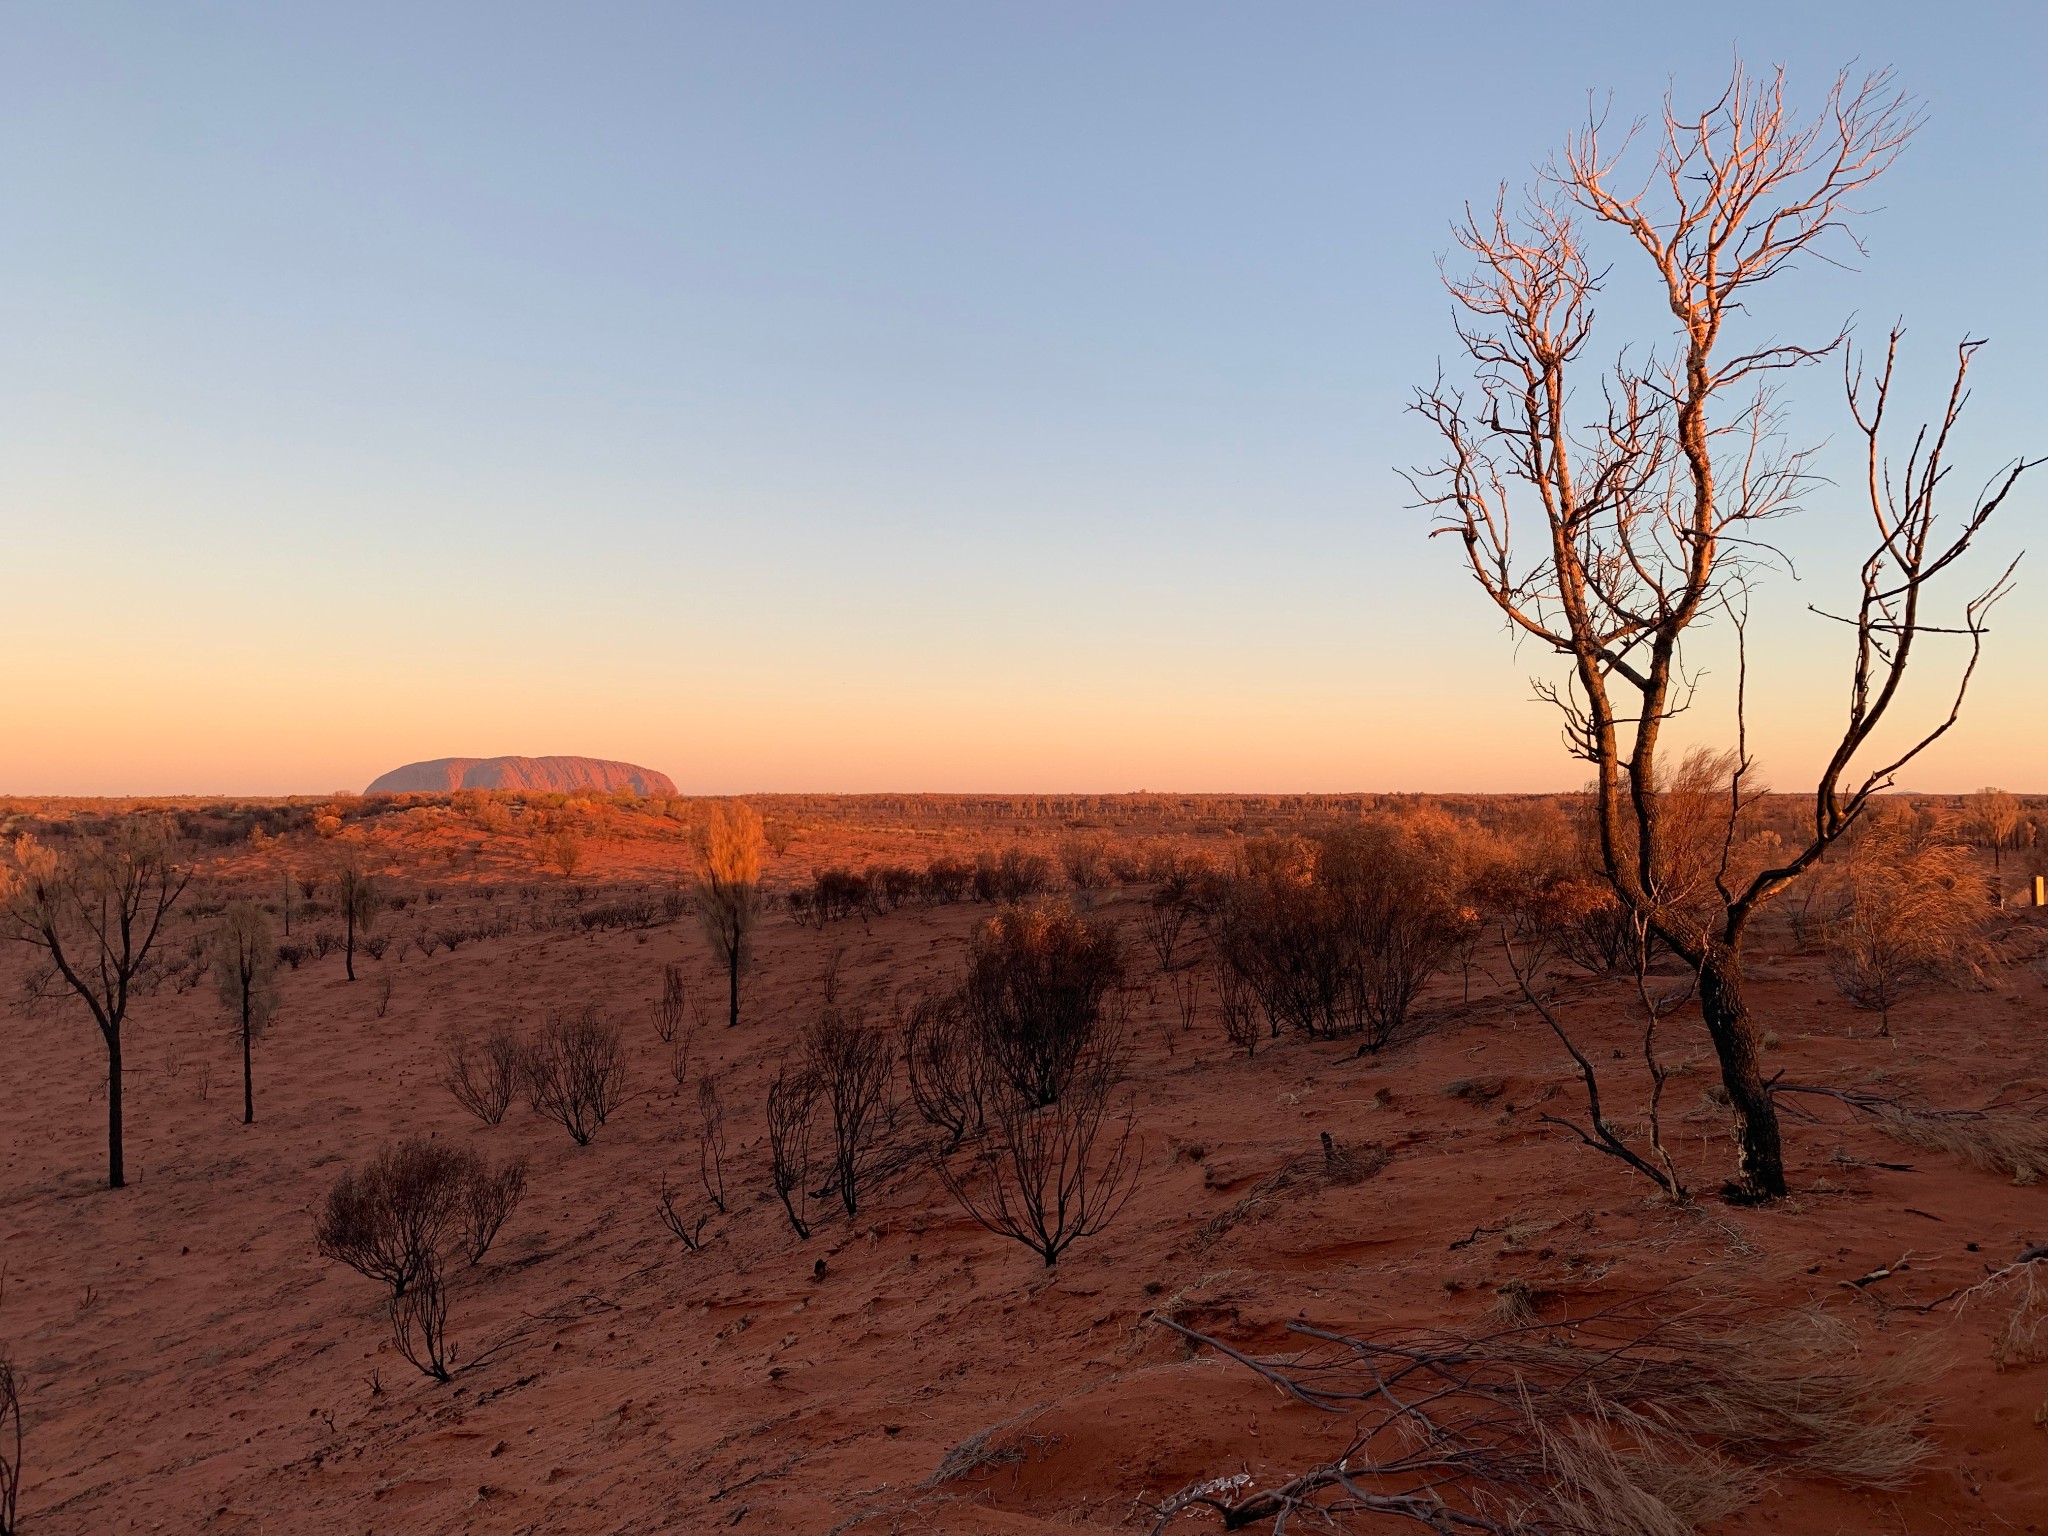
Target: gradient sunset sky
843	397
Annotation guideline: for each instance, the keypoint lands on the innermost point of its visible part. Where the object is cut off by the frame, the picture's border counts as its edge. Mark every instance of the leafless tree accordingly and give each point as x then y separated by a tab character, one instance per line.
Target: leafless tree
1165	918
95	916
245	970
729	891
575	1071
1652	517
792	1119
359	901
855	1068
484	1077
1049	1174
688	1231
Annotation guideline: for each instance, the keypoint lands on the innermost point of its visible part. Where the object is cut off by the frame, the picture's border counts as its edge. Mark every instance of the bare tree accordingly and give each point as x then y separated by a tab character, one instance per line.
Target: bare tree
1651	516
1239	1009
1165	917
95	916
671	1007
245	971
729	890
398	1220
357	898
1037	981
490	1196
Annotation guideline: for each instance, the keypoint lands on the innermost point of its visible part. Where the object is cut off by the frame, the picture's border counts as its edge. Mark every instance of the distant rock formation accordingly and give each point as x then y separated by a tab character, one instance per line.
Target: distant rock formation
545	775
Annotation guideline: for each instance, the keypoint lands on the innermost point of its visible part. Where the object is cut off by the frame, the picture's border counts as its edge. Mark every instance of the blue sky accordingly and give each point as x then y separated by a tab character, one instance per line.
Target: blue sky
845	397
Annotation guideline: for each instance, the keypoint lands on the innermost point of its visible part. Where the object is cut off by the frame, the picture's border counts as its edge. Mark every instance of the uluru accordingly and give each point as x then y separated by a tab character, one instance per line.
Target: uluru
547	775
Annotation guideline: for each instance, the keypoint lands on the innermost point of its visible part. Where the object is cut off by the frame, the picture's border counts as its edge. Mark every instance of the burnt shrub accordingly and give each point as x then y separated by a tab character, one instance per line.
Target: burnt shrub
575	1071
854	1067
483	1076
943	1062
402	1216
1037	981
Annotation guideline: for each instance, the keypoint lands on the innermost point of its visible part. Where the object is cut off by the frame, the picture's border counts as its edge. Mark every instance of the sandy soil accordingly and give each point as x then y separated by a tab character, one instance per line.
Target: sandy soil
191	1364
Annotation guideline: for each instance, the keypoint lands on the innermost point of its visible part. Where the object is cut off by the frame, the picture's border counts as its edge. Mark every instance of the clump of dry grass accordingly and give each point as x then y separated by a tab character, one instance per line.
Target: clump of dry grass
1626	1423
1998	1143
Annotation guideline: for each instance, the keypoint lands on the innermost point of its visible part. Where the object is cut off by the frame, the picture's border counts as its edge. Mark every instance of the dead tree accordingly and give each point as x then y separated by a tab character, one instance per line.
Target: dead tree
670	1008
1651	517
95	916
400	1219
690	1233
245	969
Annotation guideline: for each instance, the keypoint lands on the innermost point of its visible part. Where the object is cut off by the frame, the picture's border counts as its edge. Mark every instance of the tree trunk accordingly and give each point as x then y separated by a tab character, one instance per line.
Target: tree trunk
1759	1160
733	975
117	1174
248	1074
348	945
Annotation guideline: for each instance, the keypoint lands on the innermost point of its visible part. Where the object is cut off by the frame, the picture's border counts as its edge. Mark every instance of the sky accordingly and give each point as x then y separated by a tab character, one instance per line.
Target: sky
892	396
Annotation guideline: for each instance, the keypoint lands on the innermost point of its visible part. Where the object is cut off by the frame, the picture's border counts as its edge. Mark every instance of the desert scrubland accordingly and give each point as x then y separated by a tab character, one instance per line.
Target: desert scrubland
1321	1063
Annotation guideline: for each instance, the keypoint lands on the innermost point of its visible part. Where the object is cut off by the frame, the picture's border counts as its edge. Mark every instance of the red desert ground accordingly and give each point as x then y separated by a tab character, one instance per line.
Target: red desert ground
1377	1197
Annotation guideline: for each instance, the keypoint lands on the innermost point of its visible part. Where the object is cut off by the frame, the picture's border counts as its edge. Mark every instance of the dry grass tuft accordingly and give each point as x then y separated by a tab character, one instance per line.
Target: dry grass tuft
1626	1423
1996	1142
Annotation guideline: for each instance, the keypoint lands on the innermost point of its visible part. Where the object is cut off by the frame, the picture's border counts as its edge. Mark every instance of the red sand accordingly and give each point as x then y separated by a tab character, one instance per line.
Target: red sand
191	1363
